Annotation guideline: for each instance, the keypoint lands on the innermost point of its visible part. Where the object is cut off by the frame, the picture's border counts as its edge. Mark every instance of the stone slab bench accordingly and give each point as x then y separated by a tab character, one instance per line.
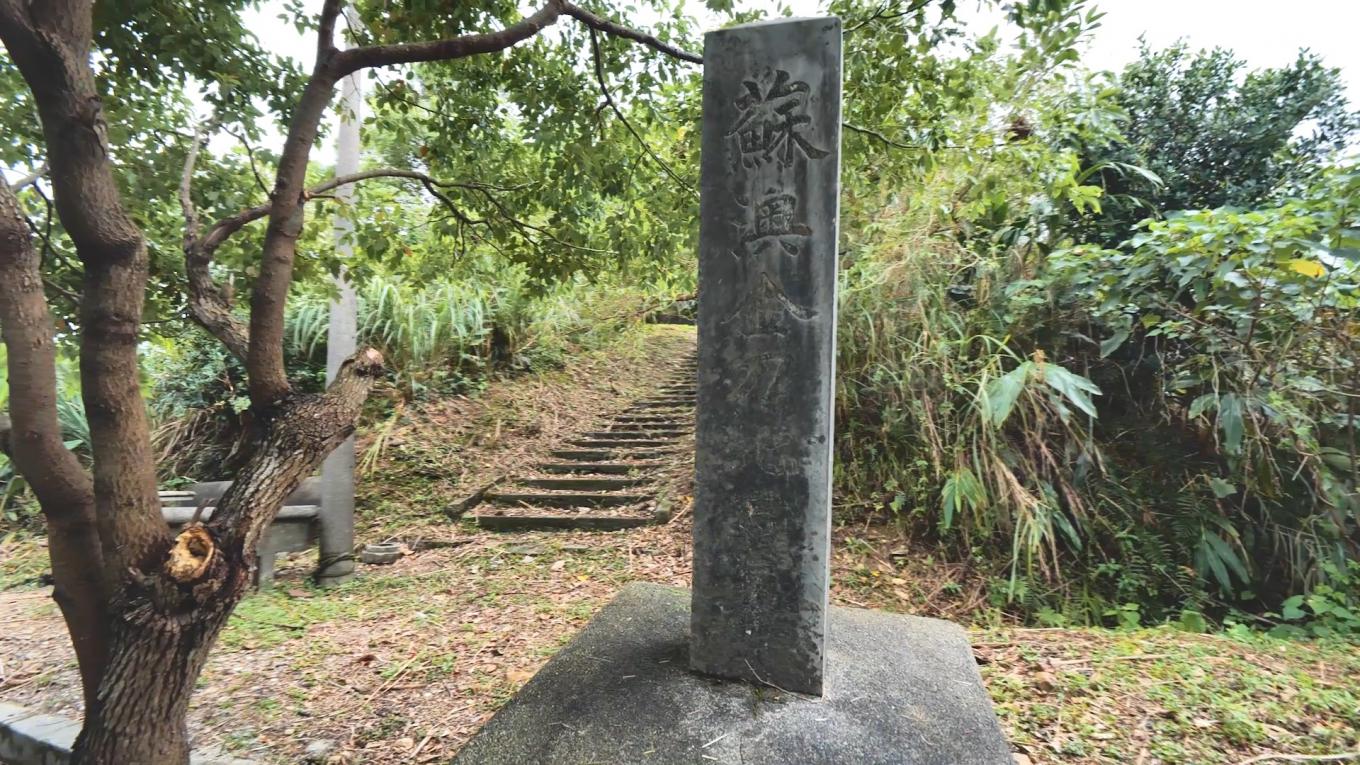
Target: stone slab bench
30	738
296	528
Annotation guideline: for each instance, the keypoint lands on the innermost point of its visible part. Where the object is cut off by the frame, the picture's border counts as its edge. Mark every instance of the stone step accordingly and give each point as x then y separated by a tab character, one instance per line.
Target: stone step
582	522
619	443
534	499
581	484
606	455
635	433
601	468
679	428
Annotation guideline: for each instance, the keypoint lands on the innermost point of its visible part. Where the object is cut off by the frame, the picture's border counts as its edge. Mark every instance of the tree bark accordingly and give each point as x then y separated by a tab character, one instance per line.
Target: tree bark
33	442
154	661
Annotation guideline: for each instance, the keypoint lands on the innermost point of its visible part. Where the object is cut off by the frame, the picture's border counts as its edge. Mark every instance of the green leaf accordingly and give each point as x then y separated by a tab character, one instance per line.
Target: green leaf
1230	421
1065	526
1075	388
1193	621
1319	605
1002	392
962	487
1223	552
1112	343
1221	488
1290	610
1202	404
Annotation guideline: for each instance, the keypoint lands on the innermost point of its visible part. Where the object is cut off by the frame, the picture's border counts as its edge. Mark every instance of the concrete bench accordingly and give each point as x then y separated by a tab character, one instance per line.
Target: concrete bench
297	527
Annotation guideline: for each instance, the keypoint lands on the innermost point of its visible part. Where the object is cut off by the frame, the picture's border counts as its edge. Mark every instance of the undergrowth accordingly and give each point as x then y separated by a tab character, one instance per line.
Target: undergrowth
1162	431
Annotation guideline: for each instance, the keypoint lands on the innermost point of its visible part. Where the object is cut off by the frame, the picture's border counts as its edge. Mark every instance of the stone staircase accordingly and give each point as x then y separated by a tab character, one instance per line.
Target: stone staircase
602	480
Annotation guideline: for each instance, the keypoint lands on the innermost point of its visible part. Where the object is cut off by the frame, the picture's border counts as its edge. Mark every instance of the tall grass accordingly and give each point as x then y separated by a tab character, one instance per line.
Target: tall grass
449	332
947	420
1099	434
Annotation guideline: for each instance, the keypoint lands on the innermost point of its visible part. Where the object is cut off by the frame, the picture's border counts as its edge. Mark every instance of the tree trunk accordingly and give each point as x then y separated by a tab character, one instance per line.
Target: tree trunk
166	622
153	665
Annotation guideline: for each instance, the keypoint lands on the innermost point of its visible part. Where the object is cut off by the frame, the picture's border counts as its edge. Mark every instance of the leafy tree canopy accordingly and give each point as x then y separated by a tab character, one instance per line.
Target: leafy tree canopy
1217	134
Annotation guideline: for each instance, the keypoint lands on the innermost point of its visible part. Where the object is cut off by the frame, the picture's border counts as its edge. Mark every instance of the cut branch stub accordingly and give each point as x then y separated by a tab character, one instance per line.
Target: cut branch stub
301	431
191	556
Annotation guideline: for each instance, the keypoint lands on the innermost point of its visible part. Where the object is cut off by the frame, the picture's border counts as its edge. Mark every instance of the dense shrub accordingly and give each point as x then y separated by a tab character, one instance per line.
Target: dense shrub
1169	424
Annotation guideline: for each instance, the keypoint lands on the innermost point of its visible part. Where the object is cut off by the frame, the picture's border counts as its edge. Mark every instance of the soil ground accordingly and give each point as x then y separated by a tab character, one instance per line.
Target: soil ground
404	664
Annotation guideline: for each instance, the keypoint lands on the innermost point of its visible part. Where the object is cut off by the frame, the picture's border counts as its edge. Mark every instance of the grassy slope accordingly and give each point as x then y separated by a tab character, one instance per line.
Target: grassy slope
405	663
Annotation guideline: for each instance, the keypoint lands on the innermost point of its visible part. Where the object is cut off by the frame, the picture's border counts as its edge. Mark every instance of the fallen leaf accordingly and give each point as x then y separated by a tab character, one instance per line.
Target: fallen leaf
1045	681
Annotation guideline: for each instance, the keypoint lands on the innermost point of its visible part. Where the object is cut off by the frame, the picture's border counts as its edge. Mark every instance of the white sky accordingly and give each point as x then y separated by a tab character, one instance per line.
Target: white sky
1264	33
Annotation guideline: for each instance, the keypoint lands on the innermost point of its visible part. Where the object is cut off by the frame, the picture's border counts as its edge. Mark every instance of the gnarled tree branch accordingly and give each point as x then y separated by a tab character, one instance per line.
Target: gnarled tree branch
353	59
301	432
618	30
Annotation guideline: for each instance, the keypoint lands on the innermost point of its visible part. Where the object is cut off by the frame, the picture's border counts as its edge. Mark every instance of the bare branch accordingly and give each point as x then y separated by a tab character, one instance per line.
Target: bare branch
250	155
524	226
885	13
609	99
29	179
353	59
325	37
186	179
880	137
618	30
209	304
226	227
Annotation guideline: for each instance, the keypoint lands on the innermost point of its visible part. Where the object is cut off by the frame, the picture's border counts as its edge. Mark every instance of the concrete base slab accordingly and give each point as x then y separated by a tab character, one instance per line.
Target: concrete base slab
900	690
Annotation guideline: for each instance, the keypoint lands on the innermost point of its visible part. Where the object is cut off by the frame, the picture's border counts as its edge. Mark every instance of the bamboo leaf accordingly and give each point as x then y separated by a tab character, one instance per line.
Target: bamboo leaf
1001	393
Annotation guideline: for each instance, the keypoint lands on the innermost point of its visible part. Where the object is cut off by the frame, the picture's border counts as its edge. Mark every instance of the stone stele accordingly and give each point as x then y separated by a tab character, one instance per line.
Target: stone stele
767	326
899	690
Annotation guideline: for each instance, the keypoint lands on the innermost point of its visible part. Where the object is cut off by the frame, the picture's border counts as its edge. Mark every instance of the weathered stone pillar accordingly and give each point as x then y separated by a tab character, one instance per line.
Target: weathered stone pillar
770	191
337	473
